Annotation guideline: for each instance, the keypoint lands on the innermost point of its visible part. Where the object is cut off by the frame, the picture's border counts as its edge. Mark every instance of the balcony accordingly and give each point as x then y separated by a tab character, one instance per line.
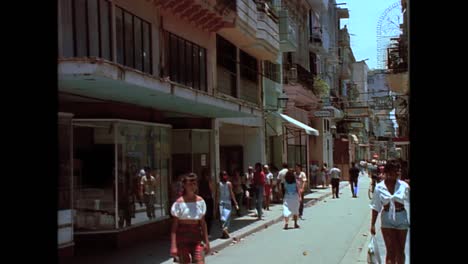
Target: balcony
344	39
255	29
318	4
299	85
397	56
288	32
316	41
209	15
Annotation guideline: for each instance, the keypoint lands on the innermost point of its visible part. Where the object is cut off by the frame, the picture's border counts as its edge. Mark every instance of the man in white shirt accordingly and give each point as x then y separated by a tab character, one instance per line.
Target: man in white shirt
335	174
248	182
301	178
280	178
148	191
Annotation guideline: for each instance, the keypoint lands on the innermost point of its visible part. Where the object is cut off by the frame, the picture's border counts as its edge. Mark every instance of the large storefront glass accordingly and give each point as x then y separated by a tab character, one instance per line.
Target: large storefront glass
190	153
65	224
109	155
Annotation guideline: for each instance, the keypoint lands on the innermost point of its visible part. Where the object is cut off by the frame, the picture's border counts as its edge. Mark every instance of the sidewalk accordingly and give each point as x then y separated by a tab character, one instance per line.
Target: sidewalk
157	251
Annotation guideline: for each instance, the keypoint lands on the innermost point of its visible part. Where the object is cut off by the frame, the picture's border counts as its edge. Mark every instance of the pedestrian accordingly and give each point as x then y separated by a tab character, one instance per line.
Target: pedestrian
275	184
259	184
373	172
324	171
237	187
206	191
389	199
302	179
335	174
189	236
250	191
148	191
268	186
291	199
281	175
363	166
353	179
225	195
314	173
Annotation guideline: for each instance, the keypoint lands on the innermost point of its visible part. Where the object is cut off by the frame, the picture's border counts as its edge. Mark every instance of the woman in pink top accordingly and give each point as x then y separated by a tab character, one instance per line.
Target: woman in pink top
389	199
189	236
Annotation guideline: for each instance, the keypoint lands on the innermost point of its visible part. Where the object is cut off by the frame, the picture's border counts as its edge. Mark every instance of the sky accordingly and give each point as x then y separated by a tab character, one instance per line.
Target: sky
362	26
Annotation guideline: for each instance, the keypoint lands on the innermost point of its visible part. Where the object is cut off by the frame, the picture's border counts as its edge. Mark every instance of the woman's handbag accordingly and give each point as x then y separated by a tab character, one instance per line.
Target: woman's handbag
373	255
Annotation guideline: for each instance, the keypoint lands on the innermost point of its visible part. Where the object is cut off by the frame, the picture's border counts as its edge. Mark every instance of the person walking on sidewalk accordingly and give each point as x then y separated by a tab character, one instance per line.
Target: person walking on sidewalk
335	174
301	178
259	184
225	196
291	199
324	171
250	188
353	179
189	236
237	187
389	199
281	175
206	191
268	186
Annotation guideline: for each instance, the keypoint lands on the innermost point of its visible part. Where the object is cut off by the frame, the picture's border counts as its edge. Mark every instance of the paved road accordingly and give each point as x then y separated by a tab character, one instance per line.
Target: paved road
335	231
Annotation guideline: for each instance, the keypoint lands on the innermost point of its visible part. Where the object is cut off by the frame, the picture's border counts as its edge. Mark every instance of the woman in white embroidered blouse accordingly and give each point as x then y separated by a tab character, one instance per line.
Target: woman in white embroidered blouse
189	236
389	199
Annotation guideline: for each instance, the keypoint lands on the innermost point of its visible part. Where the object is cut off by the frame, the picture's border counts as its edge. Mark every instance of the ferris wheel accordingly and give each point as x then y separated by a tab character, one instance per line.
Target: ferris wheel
388	27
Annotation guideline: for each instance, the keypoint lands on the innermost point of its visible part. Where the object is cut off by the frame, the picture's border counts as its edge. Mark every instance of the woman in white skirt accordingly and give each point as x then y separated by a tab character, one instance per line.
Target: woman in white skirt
291	199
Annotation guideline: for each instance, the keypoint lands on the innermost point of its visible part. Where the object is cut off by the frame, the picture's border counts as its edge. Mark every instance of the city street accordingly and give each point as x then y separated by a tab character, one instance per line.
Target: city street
335	231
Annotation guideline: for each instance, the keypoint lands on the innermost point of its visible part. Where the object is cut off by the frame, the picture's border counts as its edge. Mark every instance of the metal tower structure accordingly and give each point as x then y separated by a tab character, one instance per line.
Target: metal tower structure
388	27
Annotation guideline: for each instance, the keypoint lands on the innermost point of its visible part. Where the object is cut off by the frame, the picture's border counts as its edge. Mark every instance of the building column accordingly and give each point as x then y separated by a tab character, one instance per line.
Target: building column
261	136
215	166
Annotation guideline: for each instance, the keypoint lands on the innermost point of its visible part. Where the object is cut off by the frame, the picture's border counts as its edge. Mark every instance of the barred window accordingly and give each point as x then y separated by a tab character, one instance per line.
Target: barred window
133	41
186	62
272	71
248	67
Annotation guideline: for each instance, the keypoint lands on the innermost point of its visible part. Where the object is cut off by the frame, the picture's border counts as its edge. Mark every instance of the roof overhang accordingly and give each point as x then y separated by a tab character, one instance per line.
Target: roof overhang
106	80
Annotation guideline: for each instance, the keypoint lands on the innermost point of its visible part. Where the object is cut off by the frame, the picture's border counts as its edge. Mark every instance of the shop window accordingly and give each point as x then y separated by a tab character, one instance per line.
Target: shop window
109	157
64	164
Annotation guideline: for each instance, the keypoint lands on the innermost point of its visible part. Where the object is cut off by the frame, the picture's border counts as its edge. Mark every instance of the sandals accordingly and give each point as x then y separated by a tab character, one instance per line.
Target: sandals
296	226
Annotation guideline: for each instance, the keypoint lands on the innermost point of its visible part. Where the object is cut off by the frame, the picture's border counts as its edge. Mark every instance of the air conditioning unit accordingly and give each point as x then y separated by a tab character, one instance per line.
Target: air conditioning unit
292	75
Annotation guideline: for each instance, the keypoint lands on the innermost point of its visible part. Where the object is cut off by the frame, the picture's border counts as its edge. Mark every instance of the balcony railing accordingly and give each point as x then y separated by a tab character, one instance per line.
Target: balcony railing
296	74
316	36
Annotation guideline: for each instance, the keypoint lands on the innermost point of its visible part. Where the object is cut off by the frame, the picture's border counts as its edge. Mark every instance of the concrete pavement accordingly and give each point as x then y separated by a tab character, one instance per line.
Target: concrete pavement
157	251
325	236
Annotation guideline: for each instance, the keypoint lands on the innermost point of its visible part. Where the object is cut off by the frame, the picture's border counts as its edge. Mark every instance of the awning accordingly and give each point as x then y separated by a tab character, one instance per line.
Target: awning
355	139
308	129
337	113
400	143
